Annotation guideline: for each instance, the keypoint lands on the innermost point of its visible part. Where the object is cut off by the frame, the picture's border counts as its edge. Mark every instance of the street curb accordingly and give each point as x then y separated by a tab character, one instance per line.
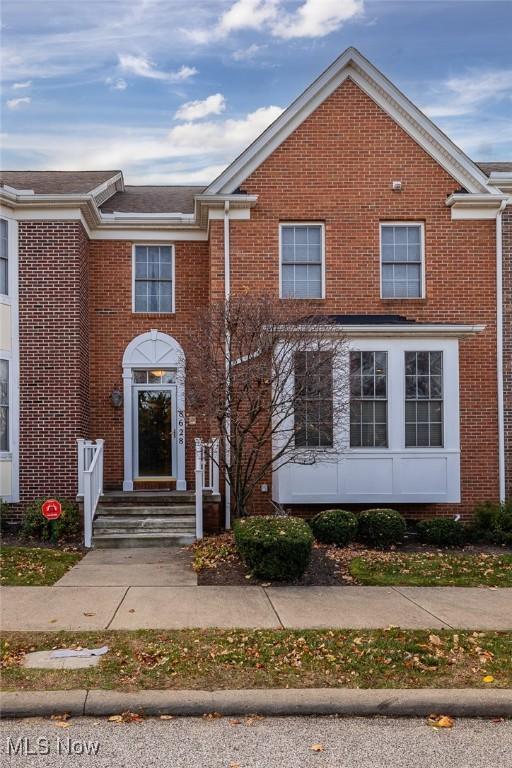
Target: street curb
391	702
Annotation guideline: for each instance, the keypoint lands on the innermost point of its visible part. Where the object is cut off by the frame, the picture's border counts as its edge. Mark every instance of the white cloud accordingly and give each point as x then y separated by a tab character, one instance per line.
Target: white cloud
195	110
19	86
464	95
116	83
313	18
248	14
143	67
245	54
17	103
316	18
188	153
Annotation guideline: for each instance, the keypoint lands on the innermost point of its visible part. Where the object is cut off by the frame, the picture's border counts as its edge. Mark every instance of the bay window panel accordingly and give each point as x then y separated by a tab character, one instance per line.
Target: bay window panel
313	416
368	399
4	405
424	399
4	257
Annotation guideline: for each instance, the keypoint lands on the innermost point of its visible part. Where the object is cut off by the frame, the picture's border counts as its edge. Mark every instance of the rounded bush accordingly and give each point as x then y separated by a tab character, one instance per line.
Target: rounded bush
334	526
274	548
442	532
492	522
35	526
381	527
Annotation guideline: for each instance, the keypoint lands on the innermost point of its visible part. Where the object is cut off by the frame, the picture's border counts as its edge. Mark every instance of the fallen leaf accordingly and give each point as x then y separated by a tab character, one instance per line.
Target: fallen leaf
234	765
115	719
166	717
441	721
132	610
235	722
89	614
435	640
488	679
64	716
317	748
126	717
211	716
62	724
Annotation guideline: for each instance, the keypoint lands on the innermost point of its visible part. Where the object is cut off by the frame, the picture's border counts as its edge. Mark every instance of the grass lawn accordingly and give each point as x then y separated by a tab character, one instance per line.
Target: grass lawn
432	569
209	659
34	566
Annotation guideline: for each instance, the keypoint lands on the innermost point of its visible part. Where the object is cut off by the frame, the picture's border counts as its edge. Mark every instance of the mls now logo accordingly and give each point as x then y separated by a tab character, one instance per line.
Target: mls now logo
43	746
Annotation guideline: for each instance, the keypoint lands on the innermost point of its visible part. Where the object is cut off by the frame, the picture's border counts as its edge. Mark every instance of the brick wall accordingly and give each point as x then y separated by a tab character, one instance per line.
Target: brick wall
507	352
53	291
337	167
113	325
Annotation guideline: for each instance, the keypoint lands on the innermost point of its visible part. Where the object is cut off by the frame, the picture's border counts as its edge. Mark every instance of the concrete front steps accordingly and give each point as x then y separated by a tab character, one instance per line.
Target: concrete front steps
144	519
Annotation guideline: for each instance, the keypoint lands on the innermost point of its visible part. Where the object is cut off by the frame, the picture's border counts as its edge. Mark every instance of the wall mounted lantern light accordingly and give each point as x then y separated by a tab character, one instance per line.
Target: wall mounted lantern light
116	397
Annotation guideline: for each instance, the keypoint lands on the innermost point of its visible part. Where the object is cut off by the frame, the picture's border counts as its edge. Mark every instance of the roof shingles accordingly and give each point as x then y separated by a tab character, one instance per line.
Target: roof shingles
56	182
147	199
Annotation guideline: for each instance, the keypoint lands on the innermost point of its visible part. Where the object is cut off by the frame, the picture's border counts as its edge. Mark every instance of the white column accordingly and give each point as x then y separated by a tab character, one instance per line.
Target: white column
128	430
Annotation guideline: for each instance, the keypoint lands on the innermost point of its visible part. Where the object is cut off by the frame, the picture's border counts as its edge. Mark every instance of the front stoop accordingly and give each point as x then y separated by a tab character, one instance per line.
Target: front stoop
146	519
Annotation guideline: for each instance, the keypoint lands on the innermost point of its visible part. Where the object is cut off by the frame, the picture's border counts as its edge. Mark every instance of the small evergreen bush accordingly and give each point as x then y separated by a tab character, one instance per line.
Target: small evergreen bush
442	532
381	527
334	526
492	523
35	526
274	548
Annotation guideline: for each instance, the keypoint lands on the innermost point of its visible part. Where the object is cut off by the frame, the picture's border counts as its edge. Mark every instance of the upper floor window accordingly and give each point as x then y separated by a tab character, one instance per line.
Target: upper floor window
4	405
302	258
424	399
402	261
4	257
368	400
313	399
153	278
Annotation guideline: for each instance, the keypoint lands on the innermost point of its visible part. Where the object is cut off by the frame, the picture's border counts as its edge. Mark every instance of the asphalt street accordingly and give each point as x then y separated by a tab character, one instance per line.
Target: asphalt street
256	743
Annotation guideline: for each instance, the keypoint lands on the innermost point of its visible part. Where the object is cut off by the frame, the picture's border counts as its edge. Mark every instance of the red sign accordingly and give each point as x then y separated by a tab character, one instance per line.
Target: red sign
51	509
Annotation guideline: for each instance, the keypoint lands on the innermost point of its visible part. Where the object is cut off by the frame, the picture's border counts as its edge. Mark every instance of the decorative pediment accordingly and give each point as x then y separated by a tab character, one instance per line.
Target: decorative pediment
153	349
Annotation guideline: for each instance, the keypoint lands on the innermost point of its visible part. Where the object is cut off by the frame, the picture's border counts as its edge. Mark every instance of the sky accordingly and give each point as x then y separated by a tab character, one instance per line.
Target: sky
170	92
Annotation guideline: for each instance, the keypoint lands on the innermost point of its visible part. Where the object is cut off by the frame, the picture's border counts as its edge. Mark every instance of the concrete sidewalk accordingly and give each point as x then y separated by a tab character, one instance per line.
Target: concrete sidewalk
181	607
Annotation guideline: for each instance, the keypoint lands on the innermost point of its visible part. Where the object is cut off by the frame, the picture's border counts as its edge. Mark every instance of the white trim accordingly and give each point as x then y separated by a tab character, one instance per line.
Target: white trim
352	64
320	224
150	350
416	330
423	287
474	207
499	352
173	278
12	355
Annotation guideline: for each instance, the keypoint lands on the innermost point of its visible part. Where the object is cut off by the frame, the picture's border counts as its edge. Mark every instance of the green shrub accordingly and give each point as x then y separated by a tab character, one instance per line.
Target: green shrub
274	547
442	532
492	523
35	526
334	526
381	527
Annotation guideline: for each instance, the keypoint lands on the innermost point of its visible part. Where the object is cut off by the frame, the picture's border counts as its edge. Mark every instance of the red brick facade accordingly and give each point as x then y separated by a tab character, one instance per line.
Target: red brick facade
54	355
337	168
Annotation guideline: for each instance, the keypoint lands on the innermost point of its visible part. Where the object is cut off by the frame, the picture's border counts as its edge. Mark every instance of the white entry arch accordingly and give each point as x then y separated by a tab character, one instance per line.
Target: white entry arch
153	350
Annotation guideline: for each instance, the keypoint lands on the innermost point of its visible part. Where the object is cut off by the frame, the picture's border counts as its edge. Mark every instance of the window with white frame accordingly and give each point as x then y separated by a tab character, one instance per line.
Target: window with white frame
4	257
313	401
402	261
302	257
153	277
4	405
368	400
424	399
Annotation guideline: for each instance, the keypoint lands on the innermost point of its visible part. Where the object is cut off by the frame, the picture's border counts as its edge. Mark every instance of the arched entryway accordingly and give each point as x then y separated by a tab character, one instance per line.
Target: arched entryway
154	410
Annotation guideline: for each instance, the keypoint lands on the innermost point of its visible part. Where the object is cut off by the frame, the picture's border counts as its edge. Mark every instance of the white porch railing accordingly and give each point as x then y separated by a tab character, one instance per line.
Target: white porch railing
90	481
207	475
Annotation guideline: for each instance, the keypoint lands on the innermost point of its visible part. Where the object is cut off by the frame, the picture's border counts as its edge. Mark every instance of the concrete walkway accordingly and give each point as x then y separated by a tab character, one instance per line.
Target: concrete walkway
180	607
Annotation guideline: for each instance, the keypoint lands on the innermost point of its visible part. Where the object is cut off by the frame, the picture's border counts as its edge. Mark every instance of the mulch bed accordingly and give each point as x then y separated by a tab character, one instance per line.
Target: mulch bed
322	572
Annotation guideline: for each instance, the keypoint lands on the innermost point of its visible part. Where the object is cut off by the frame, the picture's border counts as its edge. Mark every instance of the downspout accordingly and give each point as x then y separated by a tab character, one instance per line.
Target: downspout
227	294
499	349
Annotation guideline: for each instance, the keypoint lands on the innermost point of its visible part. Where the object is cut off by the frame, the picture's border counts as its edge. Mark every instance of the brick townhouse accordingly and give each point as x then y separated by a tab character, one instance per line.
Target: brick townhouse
352	200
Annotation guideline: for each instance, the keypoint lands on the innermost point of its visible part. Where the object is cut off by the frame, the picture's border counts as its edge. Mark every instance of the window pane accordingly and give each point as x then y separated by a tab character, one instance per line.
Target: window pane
4	403
368	406
423	406
301	267
153	275
313	415
4	428
401	255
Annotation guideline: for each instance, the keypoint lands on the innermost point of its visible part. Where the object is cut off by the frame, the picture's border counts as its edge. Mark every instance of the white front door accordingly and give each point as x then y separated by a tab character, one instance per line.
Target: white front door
154	431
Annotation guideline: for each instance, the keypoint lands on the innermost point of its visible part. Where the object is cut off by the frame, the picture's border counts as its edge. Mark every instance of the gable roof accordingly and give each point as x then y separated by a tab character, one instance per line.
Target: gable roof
56	182
152	199
497	167
352	64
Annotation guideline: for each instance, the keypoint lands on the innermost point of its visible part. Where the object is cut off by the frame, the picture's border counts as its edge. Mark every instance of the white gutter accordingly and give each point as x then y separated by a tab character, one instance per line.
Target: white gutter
227	294
499	350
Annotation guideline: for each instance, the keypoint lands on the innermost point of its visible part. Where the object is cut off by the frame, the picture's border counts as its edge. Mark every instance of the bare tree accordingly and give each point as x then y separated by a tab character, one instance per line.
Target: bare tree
269	378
